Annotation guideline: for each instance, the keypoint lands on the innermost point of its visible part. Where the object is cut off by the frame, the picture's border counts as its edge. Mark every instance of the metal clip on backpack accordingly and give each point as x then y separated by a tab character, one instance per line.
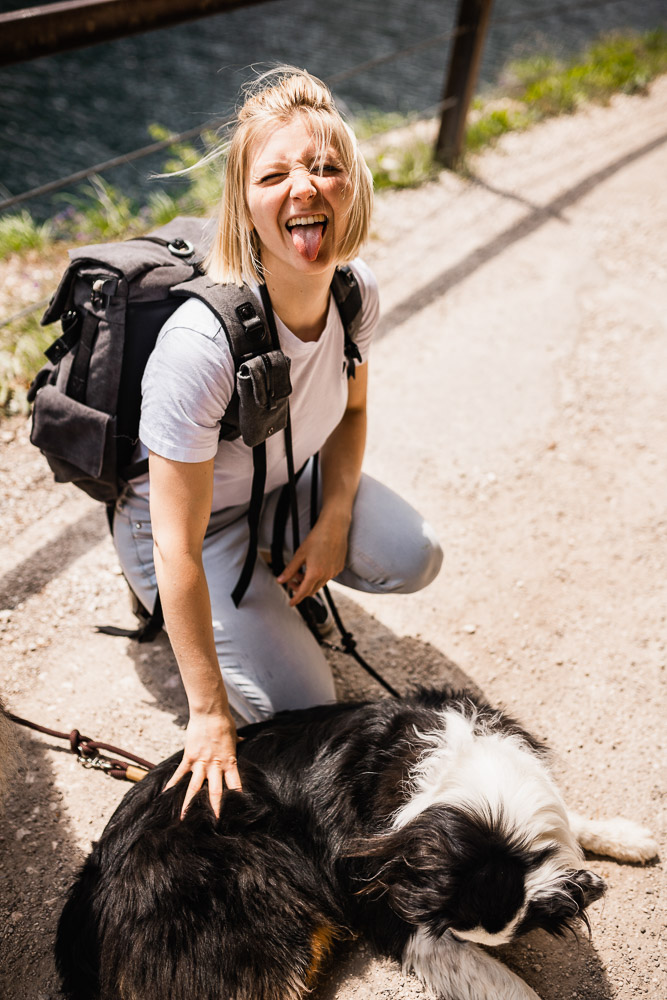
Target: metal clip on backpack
112	301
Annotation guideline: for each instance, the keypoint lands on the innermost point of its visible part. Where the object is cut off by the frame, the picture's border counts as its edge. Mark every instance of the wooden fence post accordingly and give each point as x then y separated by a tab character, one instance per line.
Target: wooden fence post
471	26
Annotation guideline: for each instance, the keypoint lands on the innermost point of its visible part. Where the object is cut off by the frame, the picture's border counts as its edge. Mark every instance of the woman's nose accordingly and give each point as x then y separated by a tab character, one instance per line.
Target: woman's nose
302	186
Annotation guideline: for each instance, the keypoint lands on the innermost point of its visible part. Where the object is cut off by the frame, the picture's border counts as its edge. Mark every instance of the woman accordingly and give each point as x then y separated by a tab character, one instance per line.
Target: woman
296	204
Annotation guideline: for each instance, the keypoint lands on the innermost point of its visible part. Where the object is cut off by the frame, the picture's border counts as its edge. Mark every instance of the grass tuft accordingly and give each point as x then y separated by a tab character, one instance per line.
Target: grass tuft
20	232
542	86
402	166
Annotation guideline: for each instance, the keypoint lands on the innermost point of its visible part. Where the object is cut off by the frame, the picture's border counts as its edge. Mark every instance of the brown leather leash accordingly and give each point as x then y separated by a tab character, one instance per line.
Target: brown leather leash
88	754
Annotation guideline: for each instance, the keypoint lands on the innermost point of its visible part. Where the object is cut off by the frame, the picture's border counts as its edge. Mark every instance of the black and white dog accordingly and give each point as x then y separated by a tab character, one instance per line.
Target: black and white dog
429	826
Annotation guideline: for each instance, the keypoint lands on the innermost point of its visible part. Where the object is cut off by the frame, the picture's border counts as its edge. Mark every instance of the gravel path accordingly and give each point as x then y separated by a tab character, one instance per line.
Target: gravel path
527	309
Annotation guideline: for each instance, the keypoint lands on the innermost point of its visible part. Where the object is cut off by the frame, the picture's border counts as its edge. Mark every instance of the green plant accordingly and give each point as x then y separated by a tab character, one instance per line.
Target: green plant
161	208
198	177
100	213
22	346
541	85
488	127
403	166
20	232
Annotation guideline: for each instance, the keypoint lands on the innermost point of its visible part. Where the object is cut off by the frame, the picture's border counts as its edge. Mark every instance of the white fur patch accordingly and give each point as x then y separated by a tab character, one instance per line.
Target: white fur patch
494	775
618	838
456	970
478	935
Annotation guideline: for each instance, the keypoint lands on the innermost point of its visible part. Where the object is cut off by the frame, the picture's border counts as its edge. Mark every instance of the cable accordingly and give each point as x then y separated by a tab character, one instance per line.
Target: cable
390	56
117	161
193	133
25	312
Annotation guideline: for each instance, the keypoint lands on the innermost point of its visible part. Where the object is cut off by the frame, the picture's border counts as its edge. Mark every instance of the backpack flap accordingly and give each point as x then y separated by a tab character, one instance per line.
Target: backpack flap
73	421
264	386
74	437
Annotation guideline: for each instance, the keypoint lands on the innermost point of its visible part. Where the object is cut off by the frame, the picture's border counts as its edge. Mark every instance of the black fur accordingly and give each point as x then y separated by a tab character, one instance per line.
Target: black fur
246	907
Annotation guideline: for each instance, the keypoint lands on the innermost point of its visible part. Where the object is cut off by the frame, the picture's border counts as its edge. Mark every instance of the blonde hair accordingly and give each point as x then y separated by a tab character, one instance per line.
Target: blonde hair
275	99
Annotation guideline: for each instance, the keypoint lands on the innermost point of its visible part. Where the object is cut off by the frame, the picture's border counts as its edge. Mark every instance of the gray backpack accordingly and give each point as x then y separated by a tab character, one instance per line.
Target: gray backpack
112	301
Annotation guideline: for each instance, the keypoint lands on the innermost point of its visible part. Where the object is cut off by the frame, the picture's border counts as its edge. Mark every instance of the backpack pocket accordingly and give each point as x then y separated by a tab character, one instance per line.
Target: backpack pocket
264	387
77	442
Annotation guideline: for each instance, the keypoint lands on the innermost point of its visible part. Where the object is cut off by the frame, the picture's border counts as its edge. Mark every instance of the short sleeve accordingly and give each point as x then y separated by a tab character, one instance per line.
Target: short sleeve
187	386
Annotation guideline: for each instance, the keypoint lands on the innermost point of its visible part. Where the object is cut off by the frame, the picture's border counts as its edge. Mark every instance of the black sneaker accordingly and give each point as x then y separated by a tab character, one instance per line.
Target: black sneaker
315	610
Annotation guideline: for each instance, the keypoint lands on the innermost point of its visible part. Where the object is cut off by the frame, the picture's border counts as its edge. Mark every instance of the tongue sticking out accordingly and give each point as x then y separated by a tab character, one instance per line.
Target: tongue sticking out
308	239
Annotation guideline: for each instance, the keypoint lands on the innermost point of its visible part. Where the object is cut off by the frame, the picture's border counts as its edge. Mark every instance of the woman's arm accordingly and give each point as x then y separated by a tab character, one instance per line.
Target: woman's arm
180	501
322	554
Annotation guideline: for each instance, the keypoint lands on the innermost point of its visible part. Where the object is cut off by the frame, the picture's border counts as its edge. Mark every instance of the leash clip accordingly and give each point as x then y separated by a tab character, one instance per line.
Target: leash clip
94	761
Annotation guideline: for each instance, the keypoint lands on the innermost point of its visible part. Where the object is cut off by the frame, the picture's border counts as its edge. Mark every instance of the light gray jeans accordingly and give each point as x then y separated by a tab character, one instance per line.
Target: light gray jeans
268	657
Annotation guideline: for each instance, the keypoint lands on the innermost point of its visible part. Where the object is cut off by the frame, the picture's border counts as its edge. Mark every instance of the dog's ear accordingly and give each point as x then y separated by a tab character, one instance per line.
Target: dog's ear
590	885
565	900
412	868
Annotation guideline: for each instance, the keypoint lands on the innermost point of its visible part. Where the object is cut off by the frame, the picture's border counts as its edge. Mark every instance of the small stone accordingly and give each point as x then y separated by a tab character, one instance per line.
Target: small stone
470	629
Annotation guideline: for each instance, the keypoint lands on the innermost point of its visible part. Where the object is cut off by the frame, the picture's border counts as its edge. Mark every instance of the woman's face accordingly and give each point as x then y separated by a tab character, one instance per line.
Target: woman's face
296	201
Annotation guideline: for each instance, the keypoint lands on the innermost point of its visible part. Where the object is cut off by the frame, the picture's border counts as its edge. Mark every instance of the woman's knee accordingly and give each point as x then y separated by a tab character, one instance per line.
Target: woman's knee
392	548
425	564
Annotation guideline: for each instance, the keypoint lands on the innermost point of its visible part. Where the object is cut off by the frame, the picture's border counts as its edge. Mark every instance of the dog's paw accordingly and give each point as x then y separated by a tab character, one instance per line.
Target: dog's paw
618	838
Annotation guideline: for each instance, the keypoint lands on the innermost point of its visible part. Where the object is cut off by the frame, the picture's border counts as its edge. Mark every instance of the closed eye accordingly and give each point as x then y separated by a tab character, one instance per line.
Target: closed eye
267	178
325	168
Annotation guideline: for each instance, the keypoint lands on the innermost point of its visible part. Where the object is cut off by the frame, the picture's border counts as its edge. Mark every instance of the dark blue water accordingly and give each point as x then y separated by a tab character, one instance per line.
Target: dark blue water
64	113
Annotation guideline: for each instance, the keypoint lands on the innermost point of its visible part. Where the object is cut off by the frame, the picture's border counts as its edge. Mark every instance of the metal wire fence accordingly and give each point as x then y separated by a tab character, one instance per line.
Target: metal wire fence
215	125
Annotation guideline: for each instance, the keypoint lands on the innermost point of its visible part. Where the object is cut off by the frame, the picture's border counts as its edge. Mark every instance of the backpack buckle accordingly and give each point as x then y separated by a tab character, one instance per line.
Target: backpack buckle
102	288
180	247
65	342
251	323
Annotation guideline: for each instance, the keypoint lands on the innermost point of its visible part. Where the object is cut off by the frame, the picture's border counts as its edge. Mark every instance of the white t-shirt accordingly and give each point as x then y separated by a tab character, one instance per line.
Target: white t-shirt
189	380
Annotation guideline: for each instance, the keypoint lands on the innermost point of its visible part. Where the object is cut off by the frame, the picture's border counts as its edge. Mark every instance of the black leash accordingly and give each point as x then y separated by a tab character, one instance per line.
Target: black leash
286	501
349	646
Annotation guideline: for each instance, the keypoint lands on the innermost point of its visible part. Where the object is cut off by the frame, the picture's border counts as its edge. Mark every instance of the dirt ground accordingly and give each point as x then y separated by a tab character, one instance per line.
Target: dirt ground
518	399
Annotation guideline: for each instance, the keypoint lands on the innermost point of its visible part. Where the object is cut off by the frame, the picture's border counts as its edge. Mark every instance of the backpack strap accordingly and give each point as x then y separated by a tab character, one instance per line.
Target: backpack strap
236	309
347	294
263	386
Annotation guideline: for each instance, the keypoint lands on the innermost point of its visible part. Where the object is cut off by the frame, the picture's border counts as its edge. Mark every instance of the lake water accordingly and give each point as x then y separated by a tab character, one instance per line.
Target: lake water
64	113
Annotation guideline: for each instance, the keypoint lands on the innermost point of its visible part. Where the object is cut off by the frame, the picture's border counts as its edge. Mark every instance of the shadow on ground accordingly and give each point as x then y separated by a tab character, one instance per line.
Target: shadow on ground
536	217
38	858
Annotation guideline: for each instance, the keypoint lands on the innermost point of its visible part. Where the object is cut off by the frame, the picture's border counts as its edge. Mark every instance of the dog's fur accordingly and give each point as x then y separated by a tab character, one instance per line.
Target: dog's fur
429	826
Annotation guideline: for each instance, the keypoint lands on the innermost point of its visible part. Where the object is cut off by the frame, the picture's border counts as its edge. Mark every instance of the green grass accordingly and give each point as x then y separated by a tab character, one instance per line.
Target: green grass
543	86
491	125
401	166
20	232
22	346
101	213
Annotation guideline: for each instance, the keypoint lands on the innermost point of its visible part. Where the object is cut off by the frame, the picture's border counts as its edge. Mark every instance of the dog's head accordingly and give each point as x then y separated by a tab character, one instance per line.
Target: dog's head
456	869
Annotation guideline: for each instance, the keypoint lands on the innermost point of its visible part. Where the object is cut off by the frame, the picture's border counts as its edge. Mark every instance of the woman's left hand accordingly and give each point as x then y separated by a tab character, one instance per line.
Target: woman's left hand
319	558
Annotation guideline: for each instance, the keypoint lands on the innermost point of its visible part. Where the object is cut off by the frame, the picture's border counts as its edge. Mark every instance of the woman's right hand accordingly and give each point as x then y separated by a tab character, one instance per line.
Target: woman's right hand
209	755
